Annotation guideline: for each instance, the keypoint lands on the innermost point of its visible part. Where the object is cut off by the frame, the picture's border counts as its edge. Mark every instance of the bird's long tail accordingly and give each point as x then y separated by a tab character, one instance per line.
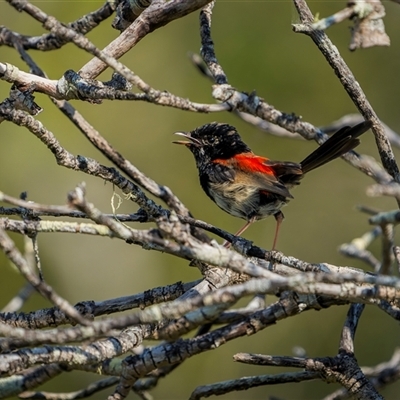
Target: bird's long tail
341	142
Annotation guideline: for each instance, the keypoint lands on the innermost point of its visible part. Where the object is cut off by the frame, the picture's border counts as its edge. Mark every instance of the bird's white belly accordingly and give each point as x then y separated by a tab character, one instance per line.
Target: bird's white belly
243	201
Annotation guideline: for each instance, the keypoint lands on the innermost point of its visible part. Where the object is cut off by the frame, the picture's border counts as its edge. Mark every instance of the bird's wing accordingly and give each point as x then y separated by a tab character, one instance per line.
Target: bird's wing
267	183
289	173
256	171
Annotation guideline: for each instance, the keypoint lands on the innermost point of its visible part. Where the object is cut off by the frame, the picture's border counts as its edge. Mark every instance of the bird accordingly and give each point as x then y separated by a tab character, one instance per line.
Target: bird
249	186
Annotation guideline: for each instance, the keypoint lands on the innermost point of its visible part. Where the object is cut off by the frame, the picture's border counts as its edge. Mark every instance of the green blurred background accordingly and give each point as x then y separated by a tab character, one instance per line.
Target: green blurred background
258	50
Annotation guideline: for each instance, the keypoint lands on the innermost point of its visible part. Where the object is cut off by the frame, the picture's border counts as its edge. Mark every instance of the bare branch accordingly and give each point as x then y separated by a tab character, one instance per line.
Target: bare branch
358	248
51	41
368	29
246	383
9	248
349	330
349	83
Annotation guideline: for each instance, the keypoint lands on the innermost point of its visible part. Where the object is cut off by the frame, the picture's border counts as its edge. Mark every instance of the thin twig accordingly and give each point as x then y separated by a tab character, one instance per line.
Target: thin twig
8	246
350	84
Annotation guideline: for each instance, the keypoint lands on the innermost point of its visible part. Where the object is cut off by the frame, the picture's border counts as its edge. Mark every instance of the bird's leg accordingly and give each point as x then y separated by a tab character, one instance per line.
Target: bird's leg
279	217
240	231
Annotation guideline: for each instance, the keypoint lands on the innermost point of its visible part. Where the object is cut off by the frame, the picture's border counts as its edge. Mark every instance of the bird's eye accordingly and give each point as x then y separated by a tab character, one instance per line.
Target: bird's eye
211	139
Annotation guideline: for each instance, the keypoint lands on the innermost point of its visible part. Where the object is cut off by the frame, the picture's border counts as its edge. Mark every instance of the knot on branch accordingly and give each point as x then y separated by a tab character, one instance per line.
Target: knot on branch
229	95
225	93
118	82
72	85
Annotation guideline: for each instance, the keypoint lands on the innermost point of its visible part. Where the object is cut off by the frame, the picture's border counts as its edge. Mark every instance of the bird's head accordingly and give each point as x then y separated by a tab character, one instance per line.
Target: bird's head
213	141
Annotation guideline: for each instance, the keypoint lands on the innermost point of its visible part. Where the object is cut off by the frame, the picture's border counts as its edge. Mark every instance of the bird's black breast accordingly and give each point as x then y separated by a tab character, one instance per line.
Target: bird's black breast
215	173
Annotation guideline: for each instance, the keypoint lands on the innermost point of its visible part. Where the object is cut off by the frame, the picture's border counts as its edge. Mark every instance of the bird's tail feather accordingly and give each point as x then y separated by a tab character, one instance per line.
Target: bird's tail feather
341	142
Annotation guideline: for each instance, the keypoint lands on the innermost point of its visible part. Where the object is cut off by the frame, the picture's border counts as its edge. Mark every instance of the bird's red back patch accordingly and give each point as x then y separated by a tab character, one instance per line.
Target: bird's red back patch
248	162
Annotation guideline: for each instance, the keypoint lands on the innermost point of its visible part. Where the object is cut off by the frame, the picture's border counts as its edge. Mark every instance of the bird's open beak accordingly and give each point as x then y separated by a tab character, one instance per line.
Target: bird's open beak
190	141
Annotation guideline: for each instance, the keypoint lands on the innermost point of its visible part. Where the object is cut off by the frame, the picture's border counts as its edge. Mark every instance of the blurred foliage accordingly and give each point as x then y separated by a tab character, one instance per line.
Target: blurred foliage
258	50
